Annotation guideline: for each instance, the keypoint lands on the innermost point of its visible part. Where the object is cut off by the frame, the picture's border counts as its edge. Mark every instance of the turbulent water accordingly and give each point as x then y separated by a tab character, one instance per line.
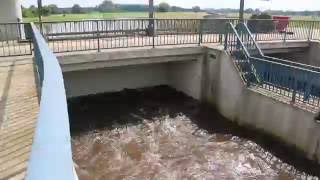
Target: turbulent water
158	133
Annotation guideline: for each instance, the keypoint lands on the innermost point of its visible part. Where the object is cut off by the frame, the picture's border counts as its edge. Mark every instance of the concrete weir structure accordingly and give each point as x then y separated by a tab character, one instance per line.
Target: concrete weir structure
206	73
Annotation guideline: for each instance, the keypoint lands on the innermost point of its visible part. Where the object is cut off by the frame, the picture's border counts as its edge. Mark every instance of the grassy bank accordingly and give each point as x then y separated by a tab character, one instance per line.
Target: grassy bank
97	15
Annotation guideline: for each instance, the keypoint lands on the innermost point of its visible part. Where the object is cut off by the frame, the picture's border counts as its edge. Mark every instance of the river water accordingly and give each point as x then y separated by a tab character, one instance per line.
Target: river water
158	133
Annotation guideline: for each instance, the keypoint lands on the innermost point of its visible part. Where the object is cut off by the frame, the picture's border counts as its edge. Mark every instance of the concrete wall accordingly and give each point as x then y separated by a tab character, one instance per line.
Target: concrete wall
310	55
186	77
180	68
237	103
314	53
81	83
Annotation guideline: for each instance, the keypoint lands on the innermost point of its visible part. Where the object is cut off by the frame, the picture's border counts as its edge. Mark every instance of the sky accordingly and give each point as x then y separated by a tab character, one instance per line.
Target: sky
299	5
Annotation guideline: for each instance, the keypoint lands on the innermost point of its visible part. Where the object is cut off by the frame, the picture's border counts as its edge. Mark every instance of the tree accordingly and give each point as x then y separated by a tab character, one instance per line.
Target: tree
33	9
261	23
53	9
106	6
76	9
249	11
24	11
45	11
163	7
196	9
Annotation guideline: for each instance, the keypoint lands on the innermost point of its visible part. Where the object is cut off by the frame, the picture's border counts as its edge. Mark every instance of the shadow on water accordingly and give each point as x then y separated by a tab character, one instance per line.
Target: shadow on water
105	112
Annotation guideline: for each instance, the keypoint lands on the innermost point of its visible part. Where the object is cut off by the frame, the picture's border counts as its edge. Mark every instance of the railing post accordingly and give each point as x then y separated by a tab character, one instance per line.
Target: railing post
285	35
153	32
226	38
200	32
310	34
294	94
98	36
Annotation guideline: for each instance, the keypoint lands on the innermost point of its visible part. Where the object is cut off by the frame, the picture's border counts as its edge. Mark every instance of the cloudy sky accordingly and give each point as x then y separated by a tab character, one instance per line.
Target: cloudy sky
262	4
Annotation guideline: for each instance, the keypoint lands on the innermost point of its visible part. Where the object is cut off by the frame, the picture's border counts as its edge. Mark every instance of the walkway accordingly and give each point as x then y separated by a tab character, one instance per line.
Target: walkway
18	113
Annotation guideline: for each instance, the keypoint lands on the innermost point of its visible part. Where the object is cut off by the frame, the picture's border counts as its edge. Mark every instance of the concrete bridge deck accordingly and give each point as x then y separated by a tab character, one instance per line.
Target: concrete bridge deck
18	113
270	44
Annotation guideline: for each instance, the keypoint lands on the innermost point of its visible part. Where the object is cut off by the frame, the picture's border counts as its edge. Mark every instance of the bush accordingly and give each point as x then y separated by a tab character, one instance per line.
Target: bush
261	23
196	9
76	9
106	6
163	7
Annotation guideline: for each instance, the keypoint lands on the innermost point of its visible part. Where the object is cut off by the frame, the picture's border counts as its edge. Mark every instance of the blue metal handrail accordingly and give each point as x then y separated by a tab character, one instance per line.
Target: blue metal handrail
51	155
286	76
243	30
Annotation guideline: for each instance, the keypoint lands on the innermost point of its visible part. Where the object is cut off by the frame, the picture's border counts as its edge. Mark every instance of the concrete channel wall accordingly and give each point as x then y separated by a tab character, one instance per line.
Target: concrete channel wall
204	73
307	55
114	71
236	102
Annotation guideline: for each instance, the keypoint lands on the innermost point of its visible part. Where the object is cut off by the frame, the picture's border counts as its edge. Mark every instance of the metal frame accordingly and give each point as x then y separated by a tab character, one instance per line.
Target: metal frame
14	40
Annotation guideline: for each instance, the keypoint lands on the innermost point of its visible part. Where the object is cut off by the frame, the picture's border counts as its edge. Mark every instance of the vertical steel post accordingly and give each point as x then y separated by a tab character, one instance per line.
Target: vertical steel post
285	35
241	12
153	35
151	19
98	35
310	34
40	15
200	32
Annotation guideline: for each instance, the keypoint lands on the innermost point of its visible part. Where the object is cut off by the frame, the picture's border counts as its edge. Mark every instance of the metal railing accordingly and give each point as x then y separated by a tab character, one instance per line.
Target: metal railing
14	39
51	155
86	35
299	83
255	51
68	36
271	30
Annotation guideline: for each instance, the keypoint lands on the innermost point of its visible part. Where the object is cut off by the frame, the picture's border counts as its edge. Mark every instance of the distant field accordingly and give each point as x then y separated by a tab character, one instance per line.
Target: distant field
71	17
307	18
97	15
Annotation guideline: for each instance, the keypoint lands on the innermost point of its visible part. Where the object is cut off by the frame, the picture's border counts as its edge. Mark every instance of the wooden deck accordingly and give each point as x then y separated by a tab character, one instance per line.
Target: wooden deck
18	111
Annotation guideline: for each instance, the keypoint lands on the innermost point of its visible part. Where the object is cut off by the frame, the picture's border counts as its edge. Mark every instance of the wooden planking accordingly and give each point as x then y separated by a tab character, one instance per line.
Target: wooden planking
18	113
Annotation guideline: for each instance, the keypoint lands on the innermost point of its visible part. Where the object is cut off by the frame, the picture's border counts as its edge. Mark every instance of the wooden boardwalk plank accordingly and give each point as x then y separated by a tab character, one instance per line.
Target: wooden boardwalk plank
18	113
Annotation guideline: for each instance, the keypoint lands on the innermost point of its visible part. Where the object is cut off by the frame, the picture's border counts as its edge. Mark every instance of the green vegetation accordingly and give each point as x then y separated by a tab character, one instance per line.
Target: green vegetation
76	9
196	9
164	7
98	15
293	17
261	26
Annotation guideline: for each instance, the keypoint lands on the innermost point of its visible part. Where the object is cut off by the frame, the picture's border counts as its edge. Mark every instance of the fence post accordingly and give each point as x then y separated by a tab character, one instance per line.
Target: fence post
226	38
285	35
200	32
310	34
153	32
294	94
98	35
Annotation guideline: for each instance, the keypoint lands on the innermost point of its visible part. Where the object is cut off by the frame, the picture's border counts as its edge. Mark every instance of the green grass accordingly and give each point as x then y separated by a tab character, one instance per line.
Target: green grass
306	18
97	15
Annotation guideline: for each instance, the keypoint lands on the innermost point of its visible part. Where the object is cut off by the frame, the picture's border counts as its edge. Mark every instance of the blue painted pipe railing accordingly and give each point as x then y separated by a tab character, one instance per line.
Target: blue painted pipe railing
290	76
51	155
255	51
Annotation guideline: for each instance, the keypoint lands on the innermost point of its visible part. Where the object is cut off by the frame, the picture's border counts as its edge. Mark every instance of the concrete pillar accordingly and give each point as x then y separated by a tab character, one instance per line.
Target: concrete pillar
10	11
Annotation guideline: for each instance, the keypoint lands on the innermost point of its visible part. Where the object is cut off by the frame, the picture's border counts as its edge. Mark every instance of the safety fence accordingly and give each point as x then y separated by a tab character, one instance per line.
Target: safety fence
297	81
